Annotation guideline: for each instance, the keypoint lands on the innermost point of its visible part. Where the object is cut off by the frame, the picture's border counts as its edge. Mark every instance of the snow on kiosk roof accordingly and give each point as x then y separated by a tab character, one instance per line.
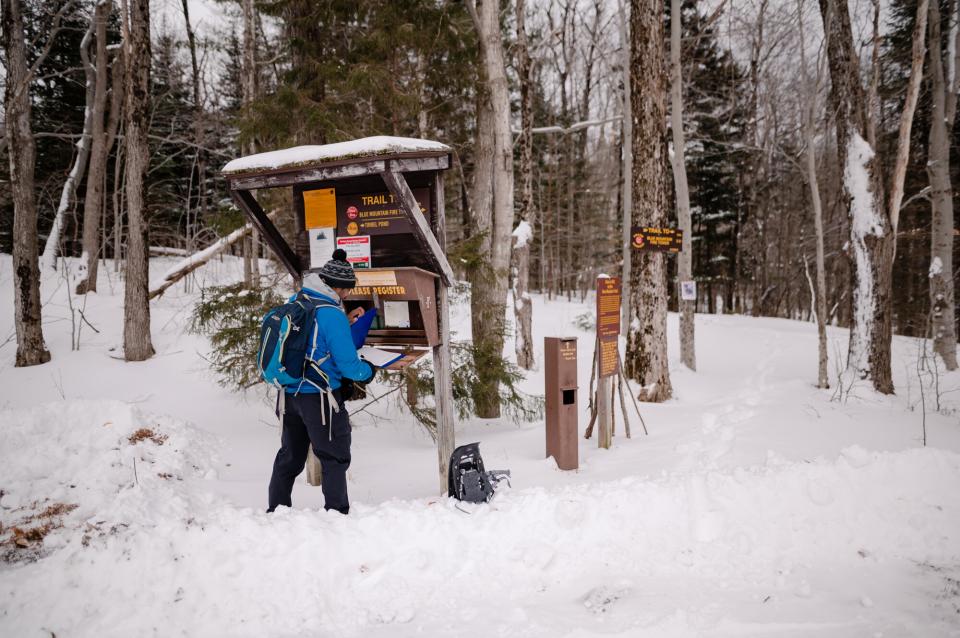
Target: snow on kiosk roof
341	165
298	157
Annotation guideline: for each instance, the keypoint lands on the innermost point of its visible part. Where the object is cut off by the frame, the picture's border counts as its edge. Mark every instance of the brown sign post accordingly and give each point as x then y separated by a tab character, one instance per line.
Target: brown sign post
608	359
608	367
560	373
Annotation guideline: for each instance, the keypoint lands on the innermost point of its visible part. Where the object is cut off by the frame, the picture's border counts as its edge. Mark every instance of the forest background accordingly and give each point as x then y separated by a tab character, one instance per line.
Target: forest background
261	75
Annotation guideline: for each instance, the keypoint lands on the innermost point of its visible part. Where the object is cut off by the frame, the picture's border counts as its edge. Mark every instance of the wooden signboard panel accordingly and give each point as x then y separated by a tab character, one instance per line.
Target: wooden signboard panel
608	325
376	213
648	238
387	249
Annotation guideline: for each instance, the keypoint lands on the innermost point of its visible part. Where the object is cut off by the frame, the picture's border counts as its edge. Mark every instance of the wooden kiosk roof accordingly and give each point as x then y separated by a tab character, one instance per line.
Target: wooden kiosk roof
386	156
315	156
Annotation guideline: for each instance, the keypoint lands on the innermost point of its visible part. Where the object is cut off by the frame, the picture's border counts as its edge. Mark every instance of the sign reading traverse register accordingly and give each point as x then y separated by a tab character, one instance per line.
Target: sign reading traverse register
608	324
653	239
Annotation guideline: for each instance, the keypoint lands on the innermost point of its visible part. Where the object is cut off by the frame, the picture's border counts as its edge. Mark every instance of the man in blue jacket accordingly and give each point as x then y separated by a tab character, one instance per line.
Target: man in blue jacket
315	416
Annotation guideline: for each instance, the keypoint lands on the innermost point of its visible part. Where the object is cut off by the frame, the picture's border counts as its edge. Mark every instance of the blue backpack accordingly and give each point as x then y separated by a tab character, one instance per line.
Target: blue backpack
287	335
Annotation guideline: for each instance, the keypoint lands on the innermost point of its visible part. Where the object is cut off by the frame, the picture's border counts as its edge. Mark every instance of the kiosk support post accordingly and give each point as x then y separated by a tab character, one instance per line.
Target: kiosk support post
441	352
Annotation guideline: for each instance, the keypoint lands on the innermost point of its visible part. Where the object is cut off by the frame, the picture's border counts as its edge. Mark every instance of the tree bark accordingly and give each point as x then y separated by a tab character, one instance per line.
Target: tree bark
137	344
942	300
522	308
250	90
31	349
626	158
646	357
75	176
873	224
688	354
117	99
809	134
489	290
100	150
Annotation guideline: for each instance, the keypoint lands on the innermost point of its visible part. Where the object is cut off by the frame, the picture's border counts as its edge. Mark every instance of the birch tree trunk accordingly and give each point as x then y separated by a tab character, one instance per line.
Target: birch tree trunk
873	222
688	354
489	291
523	311
117	98
22	150
942	300
646	357
75	176
100	150
809	134
137	345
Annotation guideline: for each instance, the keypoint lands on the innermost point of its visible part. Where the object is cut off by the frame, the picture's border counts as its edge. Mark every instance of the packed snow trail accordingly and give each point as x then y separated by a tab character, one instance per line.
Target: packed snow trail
866	544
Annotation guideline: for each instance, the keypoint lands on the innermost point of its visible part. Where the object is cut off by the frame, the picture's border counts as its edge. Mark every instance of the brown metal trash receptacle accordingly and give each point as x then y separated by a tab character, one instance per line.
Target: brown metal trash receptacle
560	368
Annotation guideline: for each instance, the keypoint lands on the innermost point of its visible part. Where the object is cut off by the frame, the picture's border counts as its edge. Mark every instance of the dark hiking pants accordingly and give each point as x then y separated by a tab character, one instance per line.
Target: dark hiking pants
307	420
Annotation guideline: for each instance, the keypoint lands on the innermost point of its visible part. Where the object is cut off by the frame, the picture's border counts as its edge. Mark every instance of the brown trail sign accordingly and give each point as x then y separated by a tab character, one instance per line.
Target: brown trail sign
647	238
384	195
606	364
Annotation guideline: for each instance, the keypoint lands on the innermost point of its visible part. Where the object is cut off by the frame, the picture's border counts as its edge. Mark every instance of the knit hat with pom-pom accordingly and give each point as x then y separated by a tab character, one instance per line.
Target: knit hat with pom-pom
338	273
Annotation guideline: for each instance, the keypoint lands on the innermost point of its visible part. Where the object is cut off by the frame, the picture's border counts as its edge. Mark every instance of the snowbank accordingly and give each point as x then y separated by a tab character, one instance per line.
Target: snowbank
301	156
105	462
822	543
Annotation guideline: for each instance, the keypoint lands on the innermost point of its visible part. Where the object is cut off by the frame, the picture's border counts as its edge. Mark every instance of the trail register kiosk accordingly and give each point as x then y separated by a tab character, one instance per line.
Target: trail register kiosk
381	200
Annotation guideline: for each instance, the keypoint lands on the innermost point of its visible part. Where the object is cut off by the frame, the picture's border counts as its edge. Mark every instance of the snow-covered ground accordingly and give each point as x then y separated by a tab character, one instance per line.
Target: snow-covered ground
756	506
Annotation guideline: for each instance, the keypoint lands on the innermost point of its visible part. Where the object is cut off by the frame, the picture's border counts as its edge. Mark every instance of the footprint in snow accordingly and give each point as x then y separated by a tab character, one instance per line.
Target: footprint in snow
601	599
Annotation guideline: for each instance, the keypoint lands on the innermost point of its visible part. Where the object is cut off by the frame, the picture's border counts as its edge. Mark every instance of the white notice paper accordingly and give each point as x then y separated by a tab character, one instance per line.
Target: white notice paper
396	314
321	246
688	290
378	357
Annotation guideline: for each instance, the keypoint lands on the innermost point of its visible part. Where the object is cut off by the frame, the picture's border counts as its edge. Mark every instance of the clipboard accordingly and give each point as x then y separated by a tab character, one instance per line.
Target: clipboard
378	357
361	327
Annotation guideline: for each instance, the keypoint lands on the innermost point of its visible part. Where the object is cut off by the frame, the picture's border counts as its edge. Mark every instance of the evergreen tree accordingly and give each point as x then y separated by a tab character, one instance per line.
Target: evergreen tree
715	121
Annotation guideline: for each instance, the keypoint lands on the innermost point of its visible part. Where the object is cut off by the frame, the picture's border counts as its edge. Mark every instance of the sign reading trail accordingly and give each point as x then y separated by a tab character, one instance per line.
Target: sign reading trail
608	324
376	213
656	239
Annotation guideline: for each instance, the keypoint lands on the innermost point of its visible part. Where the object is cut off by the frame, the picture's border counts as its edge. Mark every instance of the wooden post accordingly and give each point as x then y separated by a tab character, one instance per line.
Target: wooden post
607	353
397	185
314	471
604	432
442	389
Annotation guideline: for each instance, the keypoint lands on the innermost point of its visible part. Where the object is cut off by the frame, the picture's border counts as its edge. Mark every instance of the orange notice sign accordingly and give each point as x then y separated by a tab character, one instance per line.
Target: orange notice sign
320	208
608	324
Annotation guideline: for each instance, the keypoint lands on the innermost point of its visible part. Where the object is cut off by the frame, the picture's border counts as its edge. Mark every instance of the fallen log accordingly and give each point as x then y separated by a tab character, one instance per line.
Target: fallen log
190	263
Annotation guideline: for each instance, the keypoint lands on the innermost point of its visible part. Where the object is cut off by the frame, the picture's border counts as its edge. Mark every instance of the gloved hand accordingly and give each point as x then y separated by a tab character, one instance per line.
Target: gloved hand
347	389
373	374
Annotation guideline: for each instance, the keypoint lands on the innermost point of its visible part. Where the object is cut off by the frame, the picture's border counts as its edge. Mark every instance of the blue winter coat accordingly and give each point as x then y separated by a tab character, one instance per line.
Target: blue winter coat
332	331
